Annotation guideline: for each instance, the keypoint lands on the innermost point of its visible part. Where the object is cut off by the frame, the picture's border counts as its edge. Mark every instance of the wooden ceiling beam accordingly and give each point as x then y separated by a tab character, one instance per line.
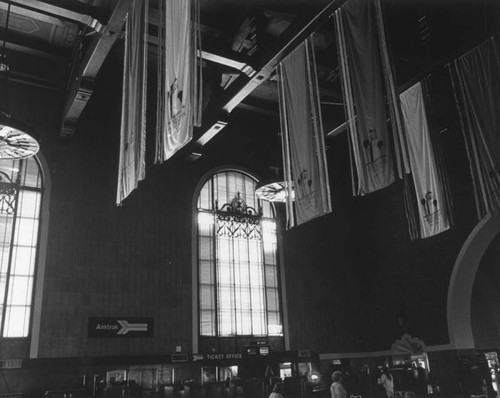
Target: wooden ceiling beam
74	11
294	35
81	83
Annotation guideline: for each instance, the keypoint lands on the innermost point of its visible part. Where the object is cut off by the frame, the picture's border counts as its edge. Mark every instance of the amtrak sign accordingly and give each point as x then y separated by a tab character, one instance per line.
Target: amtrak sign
120	327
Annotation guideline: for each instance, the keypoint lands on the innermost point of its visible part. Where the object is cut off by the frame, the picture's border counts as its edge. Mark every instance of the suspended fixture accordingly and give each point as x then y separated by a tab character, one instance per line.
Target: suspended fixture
15	142
274	191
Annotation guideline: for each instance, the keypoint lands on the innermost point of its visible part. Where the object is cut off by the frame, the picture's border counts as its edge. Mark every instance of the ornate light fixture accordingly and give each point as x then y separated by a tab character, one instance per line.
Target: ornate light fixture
274	191
15	142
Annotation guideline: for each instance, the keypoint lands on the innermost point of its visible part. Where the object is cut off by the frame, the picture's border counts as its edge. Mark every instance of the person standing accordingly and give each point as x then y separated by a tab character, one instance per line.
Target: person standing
277	391
387	382
337	390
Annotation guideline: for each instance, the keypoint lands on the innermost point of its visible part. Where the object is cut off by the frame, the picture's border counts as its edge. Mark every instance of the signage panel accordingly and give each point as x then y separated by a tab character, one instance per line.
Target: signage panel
120	327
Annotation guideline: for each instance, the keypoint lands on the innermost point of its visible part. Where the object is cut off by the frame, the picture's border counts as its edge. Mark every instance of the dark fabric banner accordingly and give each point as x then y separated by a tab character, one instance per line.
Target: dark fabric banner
304	150
476	78
370	139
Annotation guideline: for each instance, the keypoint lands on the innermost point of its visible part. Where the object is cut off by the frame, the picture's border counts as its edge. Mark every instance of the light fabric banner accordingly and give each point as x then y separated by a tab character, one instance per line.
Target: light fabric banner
476	78
428	187
132	166
363	85
179	76
302	135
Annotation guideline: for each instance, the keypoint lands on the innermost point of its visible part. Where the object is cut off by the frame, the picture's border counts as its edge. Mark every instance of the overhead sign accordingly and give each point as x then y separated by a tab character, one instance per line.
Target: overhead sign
120	327
216	357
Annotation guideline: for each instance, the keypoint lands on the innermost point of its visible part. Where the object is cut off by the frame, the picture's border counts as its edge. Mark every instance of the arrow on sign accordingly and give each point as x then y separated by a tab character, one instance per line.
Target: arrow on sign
132	327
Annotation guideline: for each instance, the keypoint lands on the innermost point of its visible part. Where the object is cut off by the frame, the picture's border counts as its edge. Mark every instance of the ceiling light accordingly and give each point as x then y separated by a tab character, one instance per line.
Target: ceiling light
275	191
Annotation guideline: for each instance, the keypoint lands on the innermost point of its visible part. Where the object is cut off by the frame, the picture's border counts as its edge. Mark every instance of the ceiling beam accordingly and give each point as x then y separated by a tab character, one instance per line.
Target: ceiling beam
74	11
294	35
28	44
82	81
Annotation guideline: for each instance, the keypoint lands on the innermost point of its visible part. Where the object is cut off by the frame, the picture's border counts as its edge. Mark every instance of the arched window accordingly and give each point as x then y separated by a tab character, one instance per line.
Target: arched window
20	202
237	260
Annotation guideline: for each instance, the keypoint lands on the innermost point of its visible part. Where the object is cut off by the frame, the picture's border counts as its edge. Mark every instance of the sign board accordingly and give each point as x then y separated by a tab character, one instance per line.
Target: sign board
120	327
216	357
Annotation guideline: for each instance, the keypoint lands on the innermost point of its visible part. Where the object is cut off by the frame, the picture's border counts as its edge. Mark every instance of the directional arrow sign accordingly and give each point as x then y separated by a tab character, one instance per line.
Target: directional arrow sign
120	327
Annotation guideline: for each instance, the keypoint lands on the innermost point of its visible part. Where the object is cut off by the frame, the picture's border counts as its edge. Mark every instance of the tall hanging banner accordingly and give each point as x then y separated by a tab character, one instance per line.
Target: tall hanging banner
363	87
476	84
179	76
132	165
302	135
428	187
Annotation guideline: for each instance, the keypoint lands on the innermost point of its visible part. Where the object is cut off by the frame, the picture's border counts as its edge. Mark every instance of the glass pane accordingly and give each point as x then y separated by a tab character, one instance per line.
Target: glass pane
20	288
23	260
206	272
26	232
256	275
17	321
224	273
31	174
3	284
205	248
4	258
207	323
226	323
207	297
5	228
258	322
272	299
205	199
29	203
271	278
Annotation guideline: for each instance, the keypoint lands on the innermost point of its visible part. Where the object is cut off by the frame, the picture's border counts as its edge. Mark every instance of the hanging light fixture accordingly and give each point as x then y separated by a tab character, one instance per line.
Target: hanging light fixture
274	189
15	142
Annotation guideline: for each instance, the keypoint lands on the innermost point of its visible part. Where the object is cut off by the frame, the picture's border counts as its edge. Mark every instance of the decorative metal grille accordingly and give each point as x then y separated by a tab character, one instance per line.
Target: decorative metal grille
238	220
8	194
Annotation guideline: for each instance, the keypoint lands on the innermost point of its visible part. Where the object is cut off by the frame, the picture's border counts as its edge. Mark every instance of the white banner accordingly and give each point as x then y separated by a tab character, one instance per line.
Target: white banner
428	187
303	138
132	166
179	76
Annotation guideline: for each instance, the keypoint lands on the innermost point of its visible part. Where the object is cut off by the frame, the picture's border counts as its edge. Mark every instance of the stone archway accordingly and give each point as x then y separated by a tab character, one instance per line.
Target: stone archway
462	282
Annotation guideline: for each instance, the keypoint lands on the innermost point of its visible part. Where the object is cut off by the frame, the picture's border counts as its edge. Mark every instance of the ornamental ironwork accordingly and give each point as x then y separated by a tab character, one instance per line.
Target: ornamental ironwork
8	194
238	220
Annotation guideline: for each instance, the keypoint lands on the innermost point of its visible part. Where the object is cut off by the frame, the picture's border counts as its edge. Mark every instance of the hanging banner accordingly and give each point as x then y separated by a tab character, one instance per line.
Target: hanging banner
302	134
428	187
363	87
476	84
132	166
178	75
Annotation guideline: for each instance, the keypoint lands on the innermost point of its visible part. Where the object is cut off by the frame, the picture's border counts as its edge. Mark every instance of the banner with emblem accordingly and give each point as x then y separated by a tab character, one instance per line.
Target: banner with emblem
427	184
132	165
179	76
476	84
302	136
363	87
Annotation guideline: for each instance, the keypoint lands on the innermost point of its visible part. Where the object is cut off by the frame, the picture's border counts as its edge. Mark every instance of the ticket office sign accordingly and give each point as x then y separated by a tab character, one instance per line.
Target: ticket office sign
120	327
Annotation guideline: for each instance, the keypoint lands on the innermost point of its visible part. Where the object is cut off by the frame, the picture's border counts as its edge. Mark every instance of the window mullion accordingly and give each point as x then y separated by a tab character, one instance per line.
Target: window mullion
11	251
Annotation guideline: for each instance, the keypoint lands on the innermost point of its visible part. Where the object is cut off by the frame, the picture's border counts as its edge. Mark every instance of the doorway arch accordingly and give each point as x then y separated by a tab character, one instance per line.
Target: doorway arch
462	281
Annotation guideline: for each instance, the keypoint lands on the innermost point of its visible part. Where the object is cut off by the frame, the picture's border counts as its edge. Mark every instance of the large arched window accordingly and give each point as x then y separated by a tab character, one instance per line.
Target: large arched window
237	260
20	203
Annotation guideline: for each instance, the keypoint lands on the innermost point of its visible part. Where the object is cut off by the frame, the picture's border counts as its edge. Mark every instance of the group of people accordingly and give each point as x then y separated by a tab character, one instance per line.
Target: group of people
337	390
386	380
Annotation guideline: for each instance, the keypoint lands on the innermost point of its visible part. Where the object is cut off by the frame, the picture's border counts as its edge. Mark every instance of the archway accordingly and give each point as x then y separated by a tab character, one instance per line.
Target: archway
462	282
